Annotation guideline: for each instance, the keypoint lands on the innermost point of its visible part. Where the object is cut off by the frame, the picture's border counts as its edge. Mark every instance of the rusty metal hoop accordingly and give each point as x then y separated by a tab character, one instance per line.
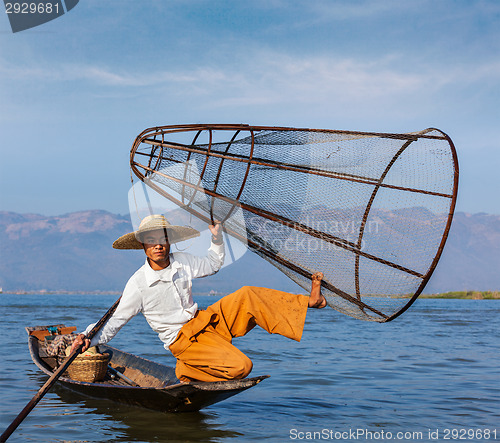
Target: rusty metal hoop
362	170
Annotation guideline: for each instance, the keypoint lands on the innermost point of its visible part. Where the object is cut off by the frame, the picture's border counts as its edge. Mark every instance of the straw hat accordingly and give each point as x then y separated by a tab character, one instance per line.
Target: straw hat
175	234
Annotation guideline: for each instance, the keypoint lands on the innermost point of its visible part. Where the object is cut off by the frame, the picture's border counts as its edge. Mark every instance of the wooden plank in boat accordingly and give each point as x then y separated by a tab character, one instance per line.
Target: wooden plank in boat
41	332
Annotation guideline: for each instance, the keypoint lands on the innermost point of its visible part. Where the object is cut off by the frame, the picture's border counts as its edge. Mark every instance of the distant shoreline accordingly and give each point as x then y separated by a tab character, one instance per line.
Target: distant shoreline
58	292
465	295
458	295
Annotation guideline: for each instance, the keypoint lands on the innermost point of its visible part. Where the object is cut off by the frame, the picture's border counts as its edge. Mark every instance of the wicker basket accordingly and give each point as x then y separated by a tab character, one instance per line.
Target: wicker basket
89	368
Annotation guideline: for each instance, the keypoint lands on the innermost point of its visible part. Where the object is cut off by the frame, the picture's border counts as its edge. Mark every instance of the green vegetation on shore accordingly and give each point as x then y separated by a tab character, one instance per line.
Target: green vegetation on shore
466	295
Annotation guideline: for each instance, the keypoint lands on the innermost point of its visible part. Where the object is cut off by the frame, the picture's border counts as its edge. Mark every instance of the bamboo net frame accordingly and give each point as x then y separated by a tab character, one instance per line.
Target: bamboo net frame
372	211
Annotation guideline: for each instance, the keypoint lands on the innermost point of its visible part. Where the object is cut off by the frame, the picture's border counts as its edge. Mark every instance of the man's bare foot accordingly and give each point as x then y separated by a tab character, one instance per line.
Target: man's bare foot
317	299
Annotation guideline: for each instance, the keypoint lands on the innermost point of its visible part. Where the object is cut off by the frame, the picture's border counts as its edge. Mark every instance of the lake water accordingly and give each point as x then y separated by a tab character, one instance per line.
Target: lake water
432	373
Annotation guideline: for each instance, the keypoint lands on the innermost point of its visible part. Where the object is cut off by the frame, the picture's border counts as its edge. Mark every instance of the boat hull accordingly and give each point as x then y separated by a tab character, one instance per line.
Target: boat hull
158	388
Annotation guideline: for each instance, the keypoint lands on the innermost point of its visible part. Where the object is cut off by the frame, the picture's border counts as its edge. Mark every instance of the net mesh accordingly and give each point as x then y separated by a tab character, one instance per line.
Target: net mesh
371	211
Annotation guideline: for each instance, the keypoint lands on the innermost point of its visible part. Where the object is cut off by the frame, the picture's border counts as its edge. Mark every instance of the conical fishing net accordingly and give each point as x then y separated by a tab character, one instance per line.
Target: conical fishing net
371	211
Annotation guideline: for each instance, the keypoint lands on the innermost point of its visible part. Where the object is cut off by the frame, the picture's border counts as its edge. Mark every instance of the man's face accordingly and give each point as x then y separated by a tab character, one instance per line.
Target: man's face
156	246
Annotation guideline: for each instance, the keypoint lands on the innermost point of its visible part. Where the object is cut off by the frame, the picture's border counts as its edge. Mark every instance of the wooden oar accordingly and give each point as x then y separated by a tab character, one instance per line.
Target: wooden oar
44	389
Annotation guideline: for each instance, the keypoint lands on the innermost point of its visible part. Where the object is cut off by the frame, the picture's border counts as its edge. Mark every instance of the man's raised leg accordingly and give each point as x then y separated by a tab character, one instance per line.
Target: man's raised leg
232	316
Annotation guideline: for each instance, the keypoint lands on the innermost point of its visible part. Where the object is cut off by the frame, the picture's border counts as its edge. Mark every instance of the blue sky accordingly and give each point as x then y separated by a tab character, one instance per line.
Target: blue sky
75	92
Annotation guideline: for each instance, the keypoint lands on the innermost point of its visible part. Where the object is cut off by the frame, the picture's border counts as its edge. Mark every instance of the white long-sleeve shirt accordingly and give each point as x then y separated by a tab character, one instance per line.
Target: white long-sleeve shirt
164	297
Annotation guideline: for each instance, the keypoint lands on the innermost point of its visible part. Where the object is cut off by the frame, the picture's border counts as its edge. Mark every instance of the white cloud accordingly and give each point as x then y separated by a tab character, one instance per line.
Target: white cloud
270	77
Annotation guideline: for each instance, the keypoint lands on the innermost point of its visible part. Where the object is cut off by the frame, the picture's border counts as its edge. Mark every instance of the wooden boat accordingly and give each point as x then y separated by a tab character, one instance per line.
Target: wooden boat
137	381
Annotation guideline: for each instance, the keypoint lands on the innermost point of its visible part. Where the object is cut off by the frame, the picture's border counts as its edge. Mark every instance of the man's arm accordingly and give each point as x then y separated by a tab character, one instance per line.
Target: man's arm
129	306
213	261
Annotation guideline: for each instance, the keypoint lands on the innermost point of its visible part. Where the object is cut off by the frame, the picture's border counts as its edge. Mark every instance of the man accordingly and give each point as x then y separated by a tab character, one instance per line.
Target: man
200	340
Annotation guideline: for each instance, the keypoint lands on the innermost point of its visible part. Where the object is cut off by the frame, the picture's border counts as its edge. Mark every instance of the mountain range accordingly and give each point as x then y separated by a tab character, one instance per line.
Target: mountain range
72	252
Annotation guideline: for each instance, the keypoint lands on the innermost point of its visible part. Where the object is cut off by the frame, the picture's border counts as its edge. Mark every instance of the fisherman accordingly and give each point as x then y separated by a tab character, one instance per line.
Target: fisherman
199	339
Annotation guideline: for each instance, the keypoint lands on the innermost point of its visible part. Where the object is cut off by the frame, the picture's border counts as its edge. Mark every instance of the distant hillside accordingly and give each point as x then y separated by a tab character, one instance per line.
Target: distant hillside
471	258
73	252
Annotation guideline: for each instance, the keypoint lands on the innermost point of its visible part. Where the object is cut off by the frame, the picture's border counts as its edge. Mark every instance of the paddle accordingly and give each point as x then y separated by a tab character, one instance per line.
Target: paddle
44	389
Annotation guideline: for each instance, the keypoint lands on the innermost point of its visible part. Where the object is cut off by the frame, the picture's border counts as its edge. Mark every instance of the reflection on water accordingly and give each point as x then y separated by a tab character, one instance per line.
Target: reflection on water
137	424
437	366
